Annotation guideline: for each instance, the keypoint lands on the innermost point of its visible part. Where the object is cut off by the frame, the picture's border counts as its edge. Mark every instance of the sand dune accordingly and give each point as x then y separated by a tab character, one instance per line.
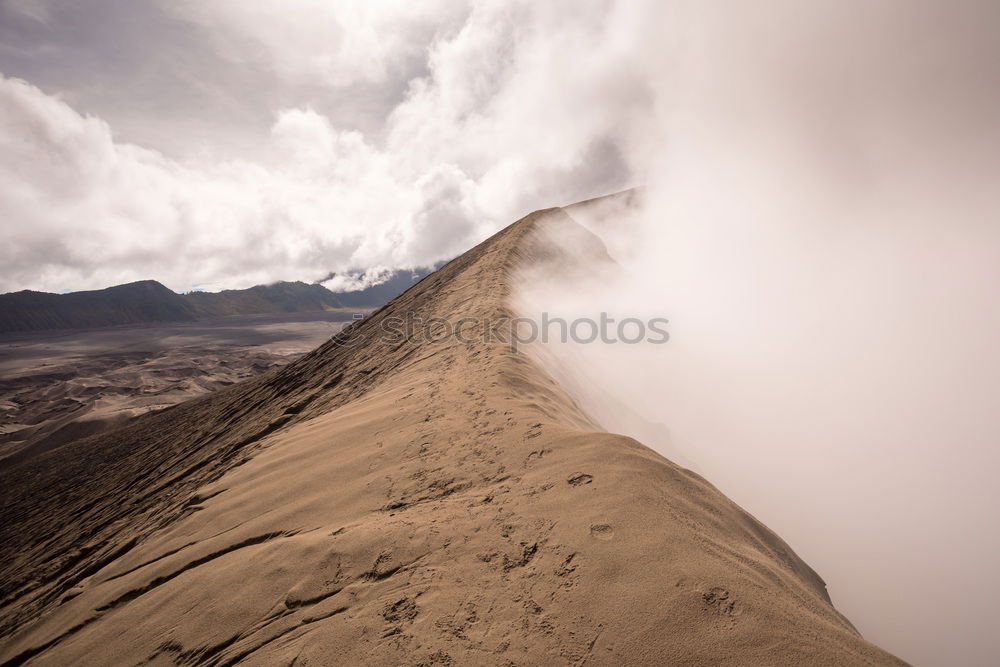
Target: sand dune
393	502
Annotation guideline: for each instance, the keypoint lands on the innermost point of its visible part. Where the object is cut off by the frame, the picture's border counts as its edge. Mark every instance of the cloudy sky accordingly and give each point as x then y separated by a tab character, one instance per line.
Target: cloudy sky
225	144
821	229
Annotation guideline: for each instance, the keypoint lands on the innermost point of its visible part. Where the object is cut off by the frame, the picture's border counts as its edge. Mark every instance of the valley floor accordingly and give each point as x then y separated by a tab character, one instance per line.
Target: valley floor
59	386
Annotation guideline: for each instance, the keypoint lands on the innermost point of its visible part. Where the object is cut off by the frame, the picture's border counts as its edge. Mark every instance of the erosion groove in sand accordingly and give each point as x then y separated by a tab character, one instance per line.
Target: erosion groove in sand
391	502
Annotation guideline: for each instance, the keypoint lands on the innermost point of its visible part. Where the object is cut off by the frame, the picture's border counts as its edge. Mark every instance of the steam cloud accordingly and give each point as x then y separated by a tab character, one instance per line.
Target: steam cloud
821	231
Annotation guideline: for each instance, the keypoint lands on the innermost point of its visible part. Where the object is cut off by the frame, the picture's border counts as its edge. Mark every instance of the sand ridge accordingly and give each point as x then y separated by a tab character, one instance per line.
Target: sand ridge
390	502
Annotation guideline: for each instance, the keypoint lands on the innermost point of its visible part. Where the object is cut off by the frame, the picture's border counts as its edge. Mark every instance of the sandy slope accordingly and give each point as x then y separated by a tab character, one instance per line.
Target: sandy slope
383	502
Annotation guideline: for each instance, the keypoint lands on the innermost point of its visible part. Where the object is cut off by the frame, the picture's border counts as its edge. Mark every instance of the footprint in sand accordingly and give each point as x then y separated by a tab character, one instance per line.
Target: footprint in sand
602	531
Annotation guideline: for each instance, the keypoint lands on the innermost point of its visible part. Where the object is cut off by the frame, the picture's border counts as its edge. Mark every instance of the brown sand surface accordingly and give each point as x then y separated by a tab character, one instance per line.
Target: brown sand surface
386	502
61	386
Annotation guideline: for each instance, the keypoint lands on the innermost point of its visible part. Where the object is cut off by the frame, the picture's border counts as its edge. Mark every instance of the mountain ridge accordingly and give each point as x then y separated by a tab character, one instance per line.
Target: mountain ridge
150	302
384	501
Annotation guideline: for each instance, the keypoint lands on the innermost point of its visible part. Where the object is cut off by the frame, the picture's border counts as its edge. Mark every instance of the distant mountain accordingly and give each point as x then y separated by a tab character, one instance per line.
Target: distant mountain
143	301
284	297
147	301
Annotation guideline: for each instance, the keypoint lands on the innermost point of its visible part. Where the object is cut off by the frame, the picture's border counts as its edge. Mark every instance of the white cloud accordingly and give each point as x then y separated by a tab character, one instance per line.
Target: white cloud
513	103
358	280
91	212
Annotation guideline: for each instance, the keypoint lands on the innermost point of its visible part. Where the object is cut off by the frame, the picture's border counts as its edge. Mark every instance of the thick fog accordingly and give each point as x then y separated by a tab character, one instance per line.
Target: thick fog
820	226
